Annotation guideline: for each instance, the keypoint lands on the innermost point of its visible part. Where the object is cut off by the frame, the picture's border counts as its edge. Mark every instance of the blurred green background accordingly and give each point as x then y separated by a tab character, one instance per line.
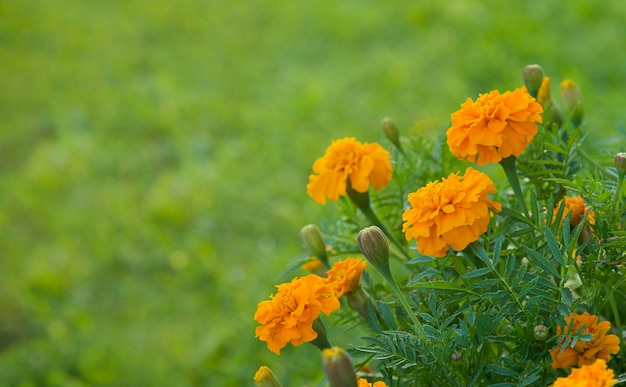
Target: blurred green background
154	157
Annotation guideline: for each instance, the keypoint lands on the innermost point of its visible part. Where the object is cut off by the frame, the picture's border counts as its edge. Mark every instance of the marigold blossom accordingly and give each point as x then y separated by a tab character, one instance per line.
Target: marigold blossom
494	127
453	212
347	160
289	315
364	383
345	275
594	375
577	207
601	346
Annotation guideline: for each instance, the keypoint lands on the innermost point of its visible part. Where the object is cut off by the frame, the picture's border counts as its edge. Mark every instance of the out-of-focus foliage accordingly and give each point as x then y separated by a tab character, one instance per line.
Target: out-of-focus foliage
154	154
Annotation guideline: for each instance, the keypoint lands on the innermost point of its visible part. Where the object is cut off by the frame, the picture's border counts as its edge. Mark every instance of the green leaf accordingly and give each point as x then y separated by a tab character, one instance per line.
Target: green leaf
442	286
501	370
554	247
543	263
477	272
567	297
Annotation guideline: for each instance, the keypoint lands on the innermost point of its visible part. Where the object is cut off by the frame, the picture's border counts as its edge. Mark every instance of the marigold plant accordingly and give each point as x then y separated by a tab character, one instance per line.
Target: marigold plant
494	127
505	309
596	374
348	161
345	275
452	212
289	315
583	352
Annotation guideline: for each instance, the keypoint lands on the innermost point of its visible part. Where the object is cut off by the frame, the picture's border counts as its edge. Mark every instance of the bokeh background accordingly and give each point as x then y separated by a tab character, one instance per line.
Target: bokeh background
154	156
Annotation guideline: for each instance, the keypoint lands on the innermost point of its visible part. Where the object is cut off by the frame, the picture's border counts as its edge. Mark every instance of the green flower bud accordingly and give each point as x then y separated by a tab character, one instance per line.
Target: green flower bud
338	368
540	332
572	101
390	130
374	246
533	76
312	239
265	378
620	162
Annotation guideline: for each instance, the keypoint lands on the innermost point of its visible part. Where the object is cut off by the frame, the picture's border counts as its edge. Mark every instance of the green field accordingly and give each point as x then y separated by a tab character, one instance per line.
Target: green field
154	157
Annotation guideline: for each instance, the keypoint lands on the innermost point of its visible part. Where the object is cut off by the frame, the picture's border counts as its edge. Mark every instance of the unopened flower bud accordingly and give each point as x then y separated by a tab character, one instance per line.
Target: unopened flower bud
572	101
265	378
312	239
373	244
390	130
533	76
338	368
456	356
540	332
620	162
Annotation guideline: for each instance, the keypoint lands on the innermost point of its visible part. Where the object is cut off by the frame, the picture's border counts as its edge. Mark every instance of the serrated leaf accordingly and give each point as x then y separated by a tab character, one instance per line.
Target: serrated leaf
554	247
543	263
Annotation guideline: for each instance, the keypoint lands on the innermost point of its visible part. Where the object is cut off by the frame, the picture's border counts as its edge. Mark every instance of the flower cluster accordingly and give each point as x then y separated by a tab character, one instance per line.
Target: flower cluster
349	163
475	279
289	315
583	352
452	212
494	127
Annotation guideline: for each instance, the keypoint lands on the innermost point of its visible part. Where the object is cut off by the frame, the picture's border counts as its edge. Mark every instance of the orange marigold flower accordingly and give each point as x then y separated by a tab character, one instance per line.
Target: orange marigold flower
345	275
595	375
364	383
289	315
578	208
601	346
451	212
347	159
494	127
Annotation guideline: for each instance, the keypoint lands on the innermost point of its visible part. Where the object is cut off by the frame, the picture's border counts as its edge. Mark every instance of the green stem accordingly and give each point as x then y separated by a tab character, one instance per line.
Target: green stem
618	189
510	170
405	304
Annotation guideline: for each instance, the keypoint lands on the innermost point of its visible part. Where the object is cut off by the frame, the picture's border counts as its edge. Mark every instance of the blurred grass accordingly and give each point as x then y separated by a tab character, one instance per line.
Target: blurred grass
154	157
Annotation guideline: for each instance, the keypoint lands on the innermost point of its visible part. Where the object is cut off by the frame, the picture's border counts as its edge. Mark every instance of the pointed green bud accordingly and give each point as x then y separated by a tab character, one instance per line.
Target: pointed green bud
338	368
265	378
312	238
374	246
533	76
620	162
390	130
540	332
572	101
